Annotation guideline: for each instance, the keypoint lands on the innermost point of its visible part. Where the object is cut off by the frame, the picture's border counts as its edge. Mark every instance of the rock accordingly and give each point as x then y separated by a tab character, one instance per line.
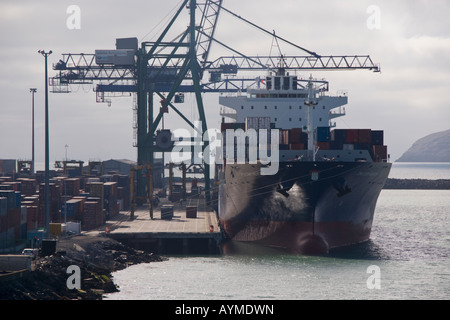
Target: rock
424	184
97	257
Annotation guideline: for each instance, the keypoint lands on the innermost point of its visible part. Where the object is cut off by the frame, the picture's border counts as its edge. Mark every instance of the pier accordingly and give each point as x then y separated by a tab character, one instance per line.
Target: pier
177	228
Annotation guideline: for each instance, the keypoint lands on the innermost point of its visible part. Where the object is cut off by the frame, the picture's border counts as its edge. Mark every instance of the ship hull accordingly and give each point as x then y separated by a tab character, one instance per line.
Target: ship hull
307	207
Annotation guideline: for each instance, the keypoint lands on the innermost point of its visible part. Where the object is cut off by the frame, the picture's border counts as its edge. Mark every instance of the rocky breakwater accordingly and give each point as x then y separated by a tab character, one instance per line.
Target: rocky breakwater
95	256
423	184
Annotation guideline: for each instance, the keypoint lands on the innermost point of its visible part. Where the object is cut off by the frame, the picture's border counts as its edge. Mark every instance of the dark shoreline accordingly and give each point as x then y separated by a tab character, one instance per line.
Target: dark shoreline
96	256
422	184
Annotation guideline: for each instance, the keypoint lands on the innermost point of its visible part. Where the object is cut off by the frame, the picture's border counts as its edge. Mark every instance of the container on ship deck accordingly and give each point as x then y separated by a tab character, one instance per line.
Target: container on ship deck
323	145
284	136
352	136
336	145
377	137
380	153
239	125
224	126
323	134
364	136
295	135
296	146
339	135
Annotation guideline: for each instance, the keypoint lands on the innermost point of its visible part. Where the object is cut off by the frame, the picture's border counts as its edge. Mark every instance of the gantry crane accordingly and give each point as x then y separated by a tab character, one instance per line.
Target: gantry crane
165	69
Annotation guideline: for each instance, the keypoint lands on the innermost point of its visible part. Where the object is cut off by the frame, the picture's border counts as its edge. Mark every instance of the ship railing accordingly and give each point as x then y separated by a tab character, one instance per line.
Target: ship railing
227	112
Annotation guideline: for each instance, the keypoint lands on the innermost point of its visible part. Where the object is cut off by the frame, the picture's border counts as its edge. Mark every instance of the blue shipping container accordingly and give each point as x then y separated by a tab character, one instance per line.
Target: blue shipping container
323	134
377	137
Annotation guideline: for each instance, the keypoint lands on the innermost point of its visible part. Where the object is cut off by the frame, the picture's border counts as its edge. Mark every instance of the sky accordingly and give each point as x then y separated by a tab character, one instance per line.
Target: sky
409	99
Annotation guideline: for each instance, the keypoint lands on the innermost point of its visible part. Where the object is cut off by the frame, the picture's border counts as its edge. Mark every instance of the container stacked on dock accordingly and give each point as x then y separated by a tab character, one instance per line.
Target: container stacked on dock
110	199
84	200
123	192
11	215
55	205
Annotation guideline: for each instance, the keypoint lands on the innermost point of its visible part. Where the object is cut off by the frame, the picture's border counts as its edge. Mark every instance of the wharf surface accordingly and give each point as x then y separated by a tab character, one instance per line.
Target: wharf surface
176	236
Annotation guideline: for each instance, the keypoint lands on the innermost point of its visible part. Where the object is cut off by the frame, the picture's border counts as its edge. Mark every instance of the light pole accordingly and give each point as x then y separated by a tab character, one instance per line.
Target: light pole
66	146
33	91
47	164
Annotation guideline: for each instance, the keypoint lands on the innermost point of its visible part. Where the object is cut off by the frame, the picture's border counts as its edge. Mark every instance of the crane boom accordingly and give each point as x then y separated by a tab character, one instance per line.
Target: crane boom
208	24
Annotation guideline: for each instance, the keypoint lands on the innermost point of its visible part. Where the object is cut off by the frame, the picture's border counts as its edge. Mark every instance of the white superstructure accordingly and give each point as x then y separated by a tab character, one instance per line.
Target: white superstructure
282	98
288	102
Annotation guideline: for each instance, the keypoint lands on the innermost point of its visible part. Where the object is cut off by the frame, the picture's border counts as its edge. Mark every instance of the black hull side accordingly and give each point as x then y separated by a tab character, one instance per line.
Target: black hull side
306	206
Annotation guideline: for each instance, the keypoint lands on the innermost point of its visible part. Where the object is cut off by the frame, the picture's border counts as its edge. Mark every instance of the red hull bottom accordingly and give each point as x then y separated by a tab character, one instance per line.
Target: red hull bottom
304	237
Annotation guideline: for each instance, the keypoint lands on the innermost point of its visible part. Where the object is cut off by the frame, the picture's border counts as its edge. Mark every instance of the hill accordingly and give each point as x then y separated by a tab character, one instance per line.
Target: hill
432	148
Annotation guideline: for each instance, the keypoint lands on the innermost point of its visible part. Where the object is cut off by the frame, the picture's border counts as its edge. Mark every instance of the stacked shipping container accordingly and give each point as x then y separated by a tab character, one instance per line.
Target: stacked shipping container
360	139
12	217
22	203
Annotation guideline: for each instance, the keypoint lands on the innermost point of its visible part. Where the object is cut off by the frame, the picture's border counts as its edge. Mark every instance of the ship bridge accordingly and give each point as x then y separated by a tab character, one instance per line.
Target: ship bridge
282	98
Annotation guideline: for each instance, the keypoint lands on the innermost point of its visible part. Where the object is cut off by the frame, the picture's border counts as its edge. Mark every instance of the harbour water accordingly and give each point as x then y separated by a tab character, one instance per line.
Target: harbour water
406	258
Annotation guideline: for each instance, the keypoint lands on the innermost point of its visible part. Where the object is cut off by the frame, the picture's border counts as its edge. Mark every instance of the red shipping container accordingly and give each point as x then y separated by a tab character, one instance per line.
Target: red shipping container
71	187
28	186
380	153
365	136
352	136
295	136
93	216
323	145
225	126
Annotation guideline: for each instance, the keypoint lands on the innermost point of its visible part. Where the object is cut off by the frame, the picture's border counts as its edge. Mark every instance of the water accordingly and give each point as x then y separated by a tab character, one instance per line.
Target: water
409	249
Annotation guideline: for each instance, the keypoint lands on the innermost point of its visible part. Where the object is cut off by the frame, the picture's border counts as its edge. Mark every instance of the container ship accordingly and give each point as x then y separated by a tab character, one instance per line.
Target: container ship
324	191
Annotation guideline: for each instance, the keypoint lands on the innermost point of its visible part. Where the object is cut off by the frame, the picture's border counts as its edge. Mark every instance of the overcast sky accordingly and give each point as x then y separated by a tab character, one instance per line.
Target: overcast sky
408	99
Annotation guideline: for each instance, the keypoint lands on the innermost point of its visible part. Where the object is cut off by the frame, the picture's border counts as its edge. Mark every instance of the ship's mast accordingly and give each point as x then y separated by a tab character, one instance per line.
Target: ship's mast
311	103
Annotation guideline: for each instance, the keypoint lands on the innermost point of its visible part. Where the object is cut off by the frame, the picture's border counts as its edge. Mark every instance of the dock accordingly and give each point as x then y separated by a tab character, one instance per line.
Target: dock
190	228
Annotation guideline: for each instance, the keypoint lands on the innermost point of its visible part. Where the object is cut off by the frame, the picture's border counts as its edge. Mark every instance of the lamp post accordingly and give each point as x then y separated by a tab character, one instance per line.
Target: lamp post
33	91
66	146
47	166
